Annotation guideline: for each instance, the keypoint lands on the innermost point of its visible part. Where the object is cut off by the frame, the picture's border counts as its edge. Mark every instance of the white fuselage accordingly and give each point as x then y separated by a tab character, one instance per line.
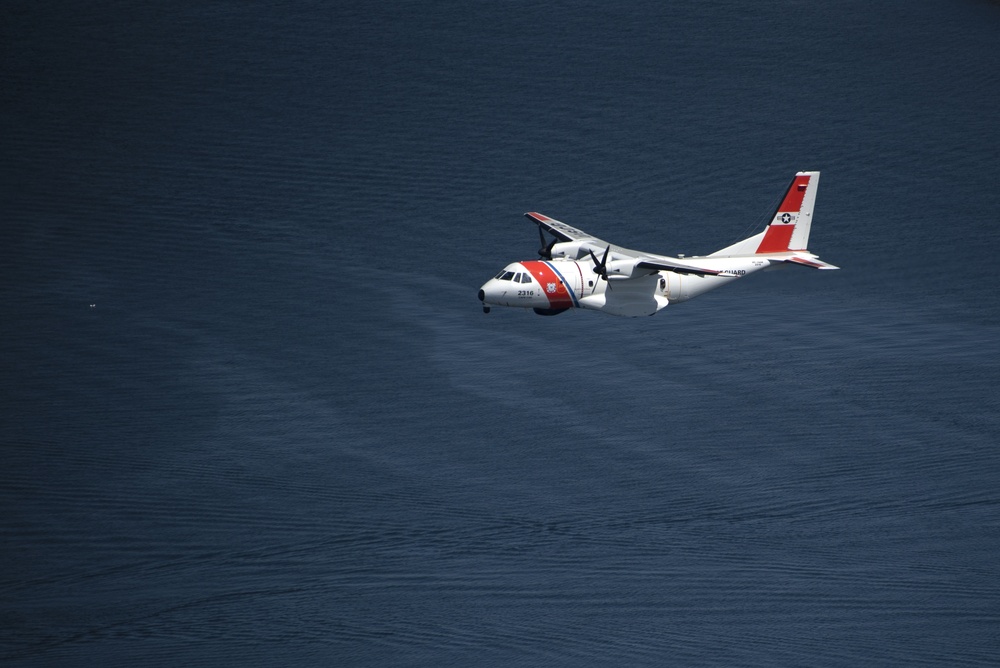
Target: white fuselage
563	283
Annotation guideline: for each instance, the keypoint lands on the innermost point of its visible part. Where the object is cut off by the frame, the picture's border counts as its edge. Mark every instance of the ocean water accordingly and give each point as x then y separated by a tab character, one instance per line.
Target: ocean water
252	413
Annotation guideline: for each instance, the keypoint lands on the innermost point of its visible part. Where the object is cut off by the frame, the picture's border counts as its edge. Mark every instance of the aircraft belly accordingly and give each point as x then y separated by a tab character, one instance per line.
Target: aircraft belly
631	298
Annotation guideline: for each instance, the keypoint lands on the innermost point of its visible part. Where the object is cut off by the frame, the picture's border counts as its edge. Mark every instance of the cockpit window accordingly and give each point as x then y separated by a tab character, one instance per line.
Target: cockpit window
500	275
526	278
507	275
517	277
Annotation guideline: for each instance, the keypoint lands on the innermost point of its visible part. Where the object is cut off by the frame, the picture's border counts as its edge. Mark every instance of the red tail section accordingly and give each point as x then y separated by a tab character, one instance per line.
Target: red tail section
789	228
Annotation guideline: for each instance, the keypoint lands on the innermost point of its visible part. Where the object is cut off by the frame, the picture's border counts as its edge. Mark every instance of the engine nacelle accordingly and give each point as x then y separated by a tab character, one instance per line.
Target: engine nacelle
623	269
569	249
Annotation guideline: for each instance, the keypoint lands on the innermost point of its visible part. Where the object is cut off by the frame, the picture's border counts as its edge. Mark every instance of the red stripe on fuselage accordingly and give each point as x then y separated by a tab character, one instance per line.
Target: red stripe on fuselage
558	296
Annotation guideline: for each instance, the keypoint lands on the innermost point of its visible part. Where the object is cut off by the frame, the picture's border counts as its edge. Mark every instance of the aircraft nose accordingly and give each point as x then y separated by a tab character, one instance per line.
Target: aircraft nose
490	293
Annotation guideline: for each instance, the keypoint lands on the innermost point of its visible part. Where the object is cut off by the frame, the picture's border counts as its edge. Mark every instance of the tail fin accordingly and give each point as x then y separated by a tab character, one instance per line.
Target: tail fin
790	224
789	228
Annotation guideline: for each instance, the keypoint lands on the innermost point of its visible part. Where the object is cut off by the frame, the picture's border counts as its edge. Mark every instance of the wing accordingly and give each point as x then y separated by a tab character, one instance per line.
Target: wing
663	264
565	232
562	231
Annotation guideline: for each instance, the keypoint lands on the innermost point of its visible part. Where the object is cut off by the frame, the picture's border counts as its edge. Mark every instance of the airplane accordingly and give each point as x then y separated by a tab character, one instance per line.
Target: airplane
578	270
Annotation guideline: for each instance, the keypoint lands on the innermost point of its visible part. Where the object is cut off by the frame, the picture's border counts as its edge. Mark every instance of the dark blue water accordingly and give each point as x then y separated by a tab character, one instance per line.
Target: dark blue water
252	413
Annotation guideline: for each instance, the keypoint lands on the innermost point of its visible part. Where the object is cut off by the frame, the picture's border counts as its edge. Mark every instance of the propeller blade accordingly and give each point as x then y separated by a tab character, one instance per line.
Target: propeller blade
601	268
545	252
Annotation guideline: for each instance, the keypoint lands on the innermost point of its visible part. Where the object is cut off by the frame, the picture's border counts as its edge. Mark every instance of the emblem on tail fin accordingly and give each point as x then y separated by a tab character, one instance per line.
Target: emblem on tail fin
789	228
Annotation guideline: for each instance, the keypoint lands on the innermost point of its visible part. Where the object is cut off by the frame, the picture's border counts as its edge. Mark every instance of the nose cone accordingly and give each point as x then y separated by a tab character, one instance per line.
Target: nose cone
490	292
495	292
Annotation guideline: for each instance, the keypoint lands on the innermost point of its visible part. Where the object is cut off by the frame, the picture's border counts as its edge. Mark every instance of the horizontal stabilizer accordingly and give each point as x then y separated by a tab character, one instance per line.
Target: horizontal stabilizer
813	262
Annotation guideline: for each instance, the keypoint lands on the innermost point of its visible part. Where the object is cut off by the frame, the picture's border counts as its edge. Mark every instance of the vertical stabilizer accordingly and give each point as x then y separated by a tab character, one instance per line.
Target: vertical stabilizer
789	228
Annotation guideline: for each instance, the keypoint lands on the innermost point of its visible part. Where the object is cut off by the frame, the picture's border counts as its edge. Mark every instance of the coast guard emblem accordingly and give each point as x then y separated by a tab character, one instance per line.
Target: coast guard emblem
550	288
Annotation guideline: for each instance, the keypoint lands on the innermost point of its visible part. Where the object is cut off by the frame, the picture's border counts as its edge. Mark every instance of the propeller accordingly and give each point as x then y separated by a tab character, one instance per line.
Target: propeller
545	252
601	268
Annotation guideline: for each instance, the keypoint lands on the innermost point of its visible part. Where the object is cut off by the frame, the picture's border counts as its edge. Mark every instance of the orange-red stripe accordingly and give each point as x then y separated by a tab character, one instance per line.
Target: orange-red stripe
776	239
559	297
796	193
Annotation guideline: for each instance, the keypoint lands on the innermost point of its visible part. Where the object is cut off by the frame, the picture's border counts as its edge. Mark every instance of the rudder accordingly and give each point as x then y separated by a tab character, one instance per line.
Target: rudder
790	225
